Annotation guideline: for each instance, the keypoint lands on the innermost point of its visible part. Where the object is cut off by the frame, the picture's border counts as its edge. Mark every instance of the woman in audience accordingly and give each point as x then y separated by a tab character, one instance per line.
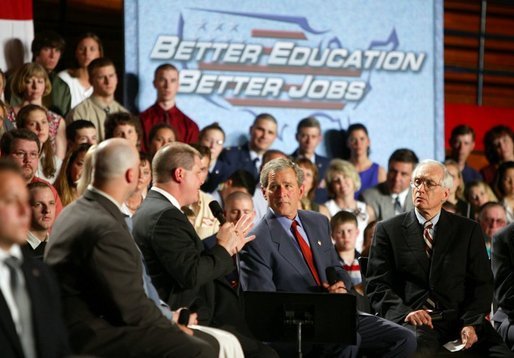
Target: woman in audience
130	206
456	197
5	123
70	173
310	183
88	48
213	137
370	173
342	183
87	171
31	84
478	193
499	148
160	135
505	188
35	119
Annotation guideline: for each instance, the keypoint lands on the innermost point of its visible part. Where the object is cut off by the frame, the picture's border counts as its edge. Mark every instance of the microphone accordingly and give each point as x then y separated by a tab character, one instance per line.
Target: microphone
444	315
332	276
217	211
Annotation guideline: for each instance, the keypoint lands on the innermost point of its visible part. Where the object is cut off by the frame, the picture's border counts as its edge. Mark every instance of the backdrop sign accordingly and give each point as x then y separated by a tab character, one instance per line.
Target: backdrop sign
374	62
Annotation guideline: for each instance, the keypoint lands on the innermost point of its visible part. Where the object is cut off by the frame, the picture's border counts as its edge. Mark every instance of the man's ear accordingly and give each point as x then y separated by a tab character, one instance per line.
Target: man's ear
178	175
131	175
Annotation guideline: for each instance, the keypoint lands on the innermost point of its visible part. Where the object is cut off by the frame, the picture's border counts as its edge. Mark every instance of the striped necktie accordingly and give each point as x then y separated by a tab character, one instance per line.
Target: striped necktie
427	236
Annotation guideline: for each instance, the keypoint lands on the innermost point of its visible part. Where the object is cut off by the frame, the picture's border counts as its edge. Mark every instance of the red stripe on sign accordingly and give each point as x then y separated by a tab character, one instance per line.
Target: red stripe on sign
304	70
277	103
16	10
278	34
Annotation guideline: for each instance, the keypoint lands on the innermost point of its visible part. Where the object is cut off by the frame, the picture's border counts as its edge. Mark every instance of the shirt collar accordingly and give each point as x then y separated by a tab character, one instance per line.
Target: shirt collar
15	250
402	196
105	195
254	155
34	241
168	196
422	220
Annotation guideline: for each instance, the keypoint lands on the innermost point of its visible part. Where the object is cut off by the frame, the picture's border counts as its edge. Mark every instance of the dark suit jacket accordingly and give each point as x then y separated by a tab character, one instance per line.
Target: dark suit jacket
219	174
181	270
503	269
379	198
236	158
400	276
272	262
49	331
100	272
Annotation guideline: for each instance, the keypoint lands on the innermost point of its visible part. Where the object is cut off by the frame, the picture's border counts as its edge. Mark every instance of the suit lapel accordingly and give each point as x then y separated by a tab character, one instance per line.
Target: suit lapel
7	325
442	238
287	249
413	237
311	229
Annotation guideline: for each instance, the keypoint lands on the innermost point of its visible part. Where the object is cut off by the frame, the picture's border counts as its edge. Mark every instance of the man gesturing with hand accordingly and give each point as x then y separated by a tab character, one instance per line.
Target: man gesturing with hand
185	274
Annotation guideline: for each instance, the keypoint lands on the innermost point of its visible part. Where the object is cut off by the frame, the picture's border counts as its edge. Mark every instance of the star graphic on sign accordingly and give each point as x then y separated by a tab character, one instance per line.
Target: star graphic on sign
203	26
220	27
235	28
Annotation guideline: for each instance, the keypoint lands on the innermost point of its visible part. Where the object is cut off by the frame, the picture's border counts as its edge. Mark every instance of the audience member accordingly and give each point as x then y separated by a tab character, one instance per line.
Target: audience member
427	261
505	187
160	135
31	83
498	148
240	180
88	48
291	251
42	203
309	136
31	311
165	110
34	118
204	221
70	173
478	193
123	125
503	269
358	142
79	132
342	183
86	177
101	273
5	109
23	147
310	184
492	217
183	272
344	232
393	196
456	196
369	231
263	133
462	143
103	78
213	137
134	201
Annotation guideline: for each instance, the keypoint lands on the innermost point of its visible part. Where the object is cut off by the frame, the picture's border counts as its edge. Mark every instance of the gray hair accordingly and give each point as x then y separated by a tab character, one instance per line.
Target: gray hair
447	181
170	157
277	165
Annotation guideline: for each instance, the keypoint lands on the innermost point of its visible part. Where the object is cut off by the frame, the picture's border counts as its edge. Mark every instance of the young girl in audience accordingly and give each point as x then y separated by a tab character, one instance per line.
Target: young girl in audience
213	137
359	144
88	48
70	173
456	197
342	183
130	206
160	135
478	193
31	84
35	119
310	183
499	148
505	188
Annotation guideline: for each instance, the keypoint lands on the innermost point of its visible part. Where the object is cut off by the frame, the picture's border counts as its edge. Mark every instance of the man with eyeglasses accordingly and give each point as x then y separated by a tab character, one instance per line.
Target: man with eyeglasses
428	270
23	147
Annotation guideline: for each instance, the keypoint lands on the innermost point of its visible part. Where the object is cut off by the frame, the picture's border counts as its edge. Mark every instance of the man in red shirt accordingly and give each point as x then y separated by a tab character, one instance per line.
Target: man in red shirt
166	82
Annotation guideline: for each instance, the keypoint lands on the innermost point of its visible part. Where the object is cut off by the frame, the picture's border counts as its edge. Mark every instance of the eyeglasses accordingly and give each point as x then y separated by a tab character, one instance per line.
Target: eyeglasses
429	184
21	154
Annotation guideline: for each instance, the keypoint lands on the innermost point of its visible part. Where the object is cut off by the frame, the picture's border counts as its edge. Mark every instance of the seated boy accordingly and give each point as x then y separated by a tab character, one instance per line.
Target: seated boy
81	131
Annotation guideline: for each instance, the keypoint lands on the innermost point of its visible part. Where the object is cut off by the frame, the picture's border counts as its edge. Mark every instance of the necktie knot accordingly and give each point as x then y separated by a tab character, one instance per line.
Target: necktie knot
428	225
13	262
294	225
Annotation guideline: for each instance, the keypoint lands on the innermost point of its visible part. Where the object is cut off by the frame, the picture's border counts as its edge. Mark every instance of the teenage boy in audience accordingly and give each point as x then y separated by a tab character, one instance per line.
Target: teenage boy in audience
123	125
42	203
103	78
462	143
81	131
165	110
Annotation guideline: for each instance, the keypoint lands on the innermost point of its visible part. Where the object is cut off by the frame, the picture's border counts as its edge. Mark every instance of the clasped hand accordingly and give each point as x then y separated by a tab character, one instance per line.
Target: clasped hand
234	237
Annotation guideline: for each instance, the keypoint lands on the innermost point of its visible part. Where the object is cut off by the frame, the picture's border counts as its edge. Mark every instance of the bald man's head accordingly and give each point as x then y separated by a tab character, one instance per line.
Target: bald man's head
116	161
237	204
